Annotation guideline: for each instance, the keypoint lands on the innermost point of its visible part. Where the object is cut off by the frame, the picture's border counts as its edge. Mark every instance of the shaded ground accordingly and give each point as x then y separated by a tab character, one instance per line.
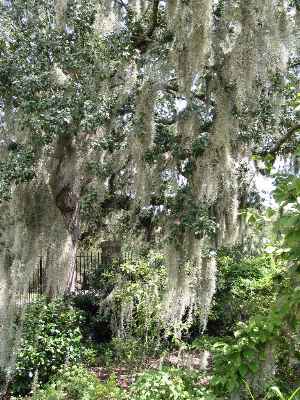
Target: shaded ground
127	374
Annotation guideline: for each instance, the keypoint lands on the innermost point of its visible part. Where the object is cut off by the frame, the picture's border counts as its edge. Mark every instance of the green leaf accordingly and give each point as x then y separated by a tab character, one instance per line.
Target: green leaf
294	394
277	391
253	366
243	370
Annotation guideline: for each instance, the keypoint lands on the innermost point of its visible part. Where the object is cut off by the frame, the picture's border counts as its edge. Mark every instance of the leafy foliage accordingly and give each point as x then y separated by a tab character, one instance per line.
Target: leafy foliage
60	78
51	337
287	194
274	390
193	217
137	284
169	384
245	356
48	77
246	285
76	383
17	168
127	352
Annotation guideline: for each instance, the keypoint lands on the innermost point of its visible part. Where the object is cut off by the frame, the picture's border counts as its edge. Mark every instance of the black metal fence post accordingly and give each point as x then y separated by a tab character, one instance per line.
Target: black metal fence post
85	263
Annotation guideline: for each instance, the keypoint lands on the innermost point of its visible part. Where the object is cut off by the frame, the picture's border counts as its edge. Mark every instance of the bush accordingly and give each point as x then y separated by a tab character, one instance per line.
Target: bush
125	300
96	324
275	391
128	352
255	347
170	384
76	383
51	337
245	286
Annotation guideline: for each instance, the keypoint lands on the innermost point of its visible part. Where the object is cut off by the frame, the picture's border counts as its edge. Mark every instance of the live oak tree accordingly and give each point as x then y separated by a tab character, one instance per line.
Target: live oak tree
141	117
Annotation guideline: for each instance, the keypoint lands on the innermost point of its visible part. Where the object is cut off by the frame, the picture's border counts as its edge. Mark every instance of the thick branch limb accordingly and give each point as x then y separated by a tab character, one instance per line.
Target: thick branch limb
122	4
277	146
294	64
173	88
167	121
142	40
153	24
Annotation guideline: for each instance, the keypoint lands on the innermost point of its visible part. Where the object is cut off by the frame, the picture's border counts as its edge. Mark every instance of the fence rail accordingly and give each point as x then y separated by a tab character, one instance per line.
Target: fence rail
85	264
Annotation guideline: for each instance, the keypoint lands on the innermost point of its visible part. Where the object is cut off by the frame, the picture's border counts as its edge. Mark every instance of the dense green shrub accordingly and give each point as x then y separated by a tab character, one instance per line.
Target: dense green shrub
246	356
275	393
96	325
51	337
246	285
76	383
170	384
128	352
136	285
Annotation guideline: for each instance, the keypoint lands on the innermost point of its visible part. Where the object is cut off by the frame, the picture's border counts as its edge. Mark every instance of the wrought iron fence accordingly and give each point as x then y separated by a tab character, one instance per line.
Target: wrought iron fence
86	263
38	282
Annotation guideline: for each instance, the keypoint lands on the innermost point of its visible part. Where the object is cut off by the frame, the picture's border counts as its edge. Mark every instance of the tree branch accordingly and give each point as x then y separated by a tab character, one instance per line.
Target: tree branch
277	146
294	64
154	18
122	4
144	38
166	121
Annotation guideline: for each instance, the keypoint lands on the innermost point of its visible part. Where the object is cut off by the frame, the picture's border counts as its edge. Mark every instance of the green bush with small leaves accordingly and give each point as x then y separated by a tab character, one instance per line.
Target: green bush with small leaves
129	352
244	356
275	393
139	283
246	285
170	384
51	337
77	383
